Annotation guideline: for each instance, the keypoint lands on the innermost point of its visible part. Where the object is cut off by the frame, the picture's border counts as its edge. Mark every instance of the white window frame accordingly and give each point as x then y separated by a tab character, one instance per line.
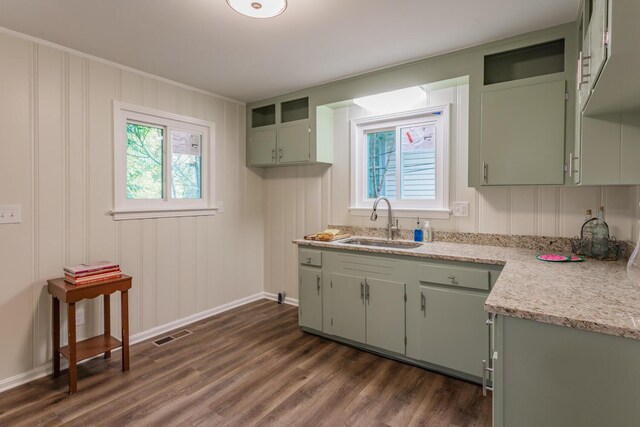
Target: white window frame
360	204
125	208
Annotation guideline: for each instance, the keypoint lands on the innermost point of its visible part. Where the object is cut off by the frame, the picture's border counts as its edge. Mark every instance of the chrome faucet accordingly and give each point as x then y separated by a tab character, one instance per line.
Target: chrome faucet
374	216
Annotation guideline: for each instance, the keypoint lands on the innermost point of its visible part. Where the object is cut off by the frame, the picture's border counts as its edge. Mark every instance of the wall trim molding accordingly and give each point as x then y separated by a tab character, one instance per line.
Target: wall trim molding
27	37
44	370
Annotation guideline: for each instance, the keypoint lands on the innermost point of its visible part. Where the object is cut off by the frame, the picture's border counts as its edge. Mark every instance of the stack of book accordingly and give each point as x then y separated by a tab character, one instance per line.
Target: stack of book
83	274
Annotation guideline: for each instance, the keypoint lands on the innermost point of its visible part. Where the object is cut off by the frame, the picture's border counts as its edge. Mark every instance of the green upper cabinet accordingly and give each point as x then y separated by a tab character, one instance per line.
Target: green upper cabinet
261	147
523	132
606	149
288	131
523	114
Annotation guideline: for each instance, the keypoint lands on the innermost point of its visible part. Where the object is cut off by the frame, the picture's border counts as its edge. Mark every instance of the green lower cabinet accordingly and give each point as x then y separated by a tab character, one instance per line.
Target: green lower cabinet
451	330
549	375
427	313
385	314
348	307
310	298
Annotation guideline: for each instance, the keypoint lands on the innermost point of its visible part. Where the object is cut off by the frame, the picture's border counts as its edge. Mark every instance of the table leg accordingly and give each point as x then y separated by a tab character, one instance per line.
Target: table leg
55	324
71	326
124	308
107	320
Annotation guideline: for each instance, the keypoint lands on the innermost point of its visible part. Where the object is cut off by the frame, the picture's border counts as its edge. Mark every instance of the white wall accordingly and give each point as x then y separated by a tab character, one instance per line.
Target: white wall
303	200
56	161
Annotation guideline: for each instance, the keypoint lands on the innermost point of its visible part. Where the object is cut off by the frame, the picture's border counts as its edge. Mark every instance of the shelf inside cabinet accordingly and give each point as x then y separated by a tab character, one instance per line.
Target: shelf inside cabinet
522	63
296	109
263	116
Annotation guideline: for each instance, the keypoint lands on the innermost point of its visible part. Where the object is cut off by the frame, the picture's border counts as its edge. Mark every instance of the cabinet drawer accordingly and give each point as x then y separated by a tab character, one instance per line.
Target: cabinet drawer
455	276
310	257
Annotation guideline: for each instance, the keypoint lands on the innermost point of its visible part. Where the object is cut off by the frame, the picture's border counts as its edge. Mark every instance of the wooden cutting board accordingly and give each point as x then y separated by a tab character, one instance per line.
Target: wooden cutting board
316	238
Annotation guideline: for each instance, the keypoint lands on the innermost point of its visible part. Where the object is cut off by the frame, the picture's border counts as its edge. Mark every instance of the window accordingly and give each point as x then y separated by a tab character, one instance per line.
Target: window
163	164
403	157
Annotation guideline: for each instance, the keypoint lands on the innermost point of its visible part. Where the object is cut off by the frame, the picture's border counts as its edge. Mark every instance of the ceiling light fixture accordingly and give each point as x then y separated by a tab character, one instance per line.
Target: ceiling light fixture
394	101
258	8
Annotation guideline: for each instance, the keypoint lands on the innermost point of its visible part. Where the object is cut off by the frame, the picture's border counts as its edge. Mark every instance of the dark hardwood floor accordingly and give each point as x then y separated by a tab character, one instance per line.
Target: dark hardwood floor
249	366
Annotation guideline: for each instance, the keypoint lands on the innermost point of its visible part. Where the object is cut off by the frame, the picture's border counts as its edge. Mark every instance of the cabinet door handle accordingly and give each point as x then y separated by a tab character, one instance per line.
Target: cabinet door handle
579	77
273	154
366	292
362	291
485	370
423	303
318	284
280	150
485	172
570	165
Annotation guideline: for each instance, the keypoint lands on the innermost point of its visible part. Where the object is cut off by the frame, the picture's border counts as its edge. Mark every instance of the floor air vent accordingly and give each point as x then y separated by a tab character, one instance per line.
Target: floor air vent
180	334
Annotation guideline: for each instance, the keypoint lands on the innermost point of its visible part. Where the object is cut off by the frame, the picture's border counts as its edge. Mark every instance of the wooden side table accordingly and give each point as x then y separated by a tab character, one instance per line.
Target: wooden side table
76	351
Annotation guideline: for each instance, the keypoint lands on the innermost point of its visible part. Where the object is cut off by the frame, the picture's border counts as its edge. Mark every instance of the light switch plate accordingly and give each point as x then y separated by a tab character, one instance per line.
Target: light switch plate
460	208
10	214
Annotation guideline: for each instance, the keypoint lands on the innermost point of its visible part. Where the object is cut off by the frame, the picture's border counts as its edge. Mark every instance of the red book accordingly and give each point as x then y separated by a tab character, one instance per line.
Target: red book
93	279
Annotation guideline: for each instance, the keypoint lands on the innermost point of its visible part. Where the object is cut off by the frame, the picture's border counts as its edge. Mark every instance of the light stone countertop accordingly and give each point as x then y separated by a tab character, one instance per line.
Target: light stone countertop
591	295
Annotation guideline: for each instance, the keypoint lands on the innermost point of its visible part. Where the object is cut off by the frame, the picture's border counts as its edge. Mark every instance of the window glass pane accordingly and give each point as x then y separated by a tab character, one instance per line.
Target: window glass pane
144	161
381	164
418	162
186	164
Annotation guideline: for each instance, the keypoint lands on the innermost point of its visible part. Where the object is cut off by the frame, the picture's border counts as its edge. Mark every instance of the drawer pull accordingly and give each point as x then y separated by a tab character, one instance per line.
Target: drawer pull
452	278
485	369
309	260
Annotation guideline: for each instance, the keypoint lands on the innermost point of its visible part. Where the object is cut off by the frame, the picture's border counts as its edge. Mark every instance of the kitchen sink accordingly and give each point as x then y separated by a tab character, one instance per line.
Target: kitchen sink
382	243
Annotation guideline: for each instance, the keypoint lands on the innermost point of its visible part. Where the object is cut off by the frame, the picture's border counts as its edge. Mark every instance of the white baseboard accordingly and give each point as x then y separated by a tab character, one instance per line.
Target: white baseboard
274	297
47	369
159	330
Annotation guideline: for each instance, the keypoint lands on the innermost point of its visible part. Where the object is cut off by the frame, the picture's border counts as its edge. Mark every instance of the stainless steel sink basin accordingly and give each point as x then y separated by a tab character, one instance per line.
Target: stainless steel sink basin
382	243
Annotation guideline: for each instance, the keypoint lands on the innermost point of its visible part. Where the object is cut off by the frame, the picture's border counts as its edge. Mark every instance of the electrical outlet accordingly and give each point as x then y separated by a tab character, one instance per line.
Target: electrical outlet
10	214
460	208
79	316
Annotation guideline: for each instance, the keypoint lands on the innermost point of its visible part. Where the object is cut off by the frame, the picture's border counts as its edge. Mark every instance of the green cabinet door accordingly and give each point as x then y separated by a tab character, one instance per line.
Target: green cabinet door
385	314
310	298
294	142
261	147
347	307
522	134
452	329
595	33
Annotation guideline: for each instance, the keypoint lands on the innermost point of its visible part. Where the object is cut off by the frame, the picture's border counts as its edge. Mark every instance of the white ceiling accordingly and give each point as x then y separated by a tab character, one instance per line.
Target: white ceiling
204	43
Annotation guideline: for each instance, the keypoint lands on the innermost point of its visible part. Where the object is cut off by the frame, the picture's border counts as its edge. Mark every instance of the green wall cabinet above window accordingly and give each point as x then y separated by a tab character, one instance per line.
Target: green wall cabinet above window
283	132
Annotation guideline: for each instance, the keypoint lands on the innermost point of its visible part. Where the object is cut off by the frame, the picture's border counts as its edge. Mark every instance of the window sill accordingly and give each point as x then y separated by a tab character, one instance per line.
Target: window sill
122	215
403	212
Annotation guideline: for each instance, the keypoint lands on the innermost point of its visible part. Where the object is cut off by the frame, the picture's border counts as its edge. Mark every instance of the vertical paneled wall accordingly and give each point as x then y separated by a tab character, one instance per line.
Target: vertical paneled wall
56	160
302	200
